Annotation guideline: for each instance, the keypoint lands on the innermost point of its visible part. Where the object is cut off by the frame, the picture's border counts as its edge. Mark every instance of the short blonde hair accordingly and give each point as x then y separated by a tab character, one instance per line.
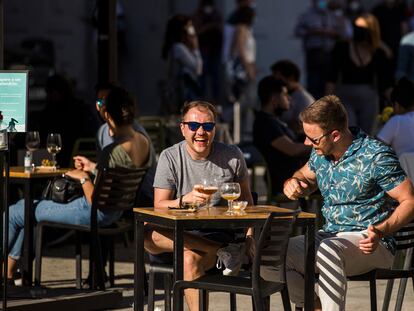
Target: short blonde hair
199	104
327	112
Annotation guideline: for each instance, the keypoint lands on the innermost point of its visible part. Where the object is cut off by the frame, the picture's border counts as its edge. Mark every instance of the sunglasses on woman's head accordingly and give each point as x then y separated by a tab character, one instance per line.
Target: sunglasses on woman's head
194	126
100	102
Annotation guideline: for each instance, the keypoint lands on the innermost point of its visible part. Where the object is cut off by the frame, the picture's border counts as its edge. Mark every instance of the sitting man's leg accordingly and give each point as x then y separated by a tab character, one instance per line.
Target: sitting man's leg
339	257
295	267
199	255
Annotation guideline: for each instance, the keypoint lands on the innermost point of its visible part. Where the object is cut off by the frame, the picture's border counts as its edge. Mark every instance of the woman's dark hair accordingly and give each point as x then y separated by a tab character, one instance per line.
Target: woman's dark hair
244	15
175	32
120	106
403	93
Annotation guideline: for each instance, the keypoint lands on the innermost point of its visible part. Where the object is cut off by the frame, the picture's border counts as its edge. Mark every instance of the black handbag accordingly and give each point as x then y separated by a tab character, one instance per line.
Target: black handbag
62	189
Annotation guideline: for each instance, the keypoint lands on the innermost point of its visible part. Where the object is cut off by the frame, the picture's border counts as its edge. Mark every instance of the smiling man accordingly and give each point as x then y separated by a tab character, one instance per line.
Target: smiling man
366	198
182	167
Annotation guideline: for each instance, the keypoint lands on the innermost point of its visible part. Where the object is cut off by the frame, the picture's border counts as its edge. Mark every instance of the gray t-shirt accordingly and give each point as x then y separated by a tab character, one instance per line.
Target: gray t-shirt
177	171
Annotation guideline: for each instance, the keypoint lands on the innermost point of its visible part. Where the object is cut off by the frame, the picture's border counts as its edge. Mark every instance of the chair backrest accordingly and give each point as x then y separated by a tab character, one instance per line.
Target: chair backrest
272	245
404	238
155	127
116	188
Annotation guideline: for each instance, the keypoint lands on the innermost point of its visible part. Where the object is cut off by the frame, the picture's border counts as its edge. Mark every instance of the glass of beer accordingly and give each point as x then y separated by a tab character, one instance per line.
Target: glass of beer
230	192
208	186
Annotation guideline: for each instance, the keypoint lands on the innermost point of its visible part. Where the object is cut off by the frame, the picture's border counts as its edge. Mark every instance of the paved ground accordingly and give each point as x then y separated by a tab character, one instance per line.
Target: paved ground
59	271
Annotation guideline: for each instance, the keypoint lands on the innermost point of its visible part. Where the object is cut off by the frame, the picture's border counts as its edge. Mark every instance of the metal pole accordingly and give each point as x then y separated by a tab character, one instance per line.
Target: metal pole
1	34
107	42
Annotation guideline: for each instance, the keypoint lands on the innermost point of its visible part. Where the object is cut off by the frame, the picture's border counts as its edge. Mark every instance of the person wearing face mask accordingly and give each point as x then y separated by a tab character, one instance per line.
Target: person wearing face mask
359	71
277	143
319	28
184	63
208	22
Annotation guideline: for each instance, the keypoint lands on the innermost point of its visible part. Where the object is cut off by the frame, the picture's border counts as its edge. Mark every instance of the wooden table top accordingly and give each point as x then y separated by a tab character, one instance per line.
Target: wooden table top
251	212
18	172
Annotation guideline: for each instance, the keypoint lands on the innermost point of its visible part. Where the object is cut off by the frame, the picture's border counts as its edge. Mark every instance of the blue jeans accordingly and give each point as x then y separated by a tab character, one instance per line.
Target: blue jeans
77	212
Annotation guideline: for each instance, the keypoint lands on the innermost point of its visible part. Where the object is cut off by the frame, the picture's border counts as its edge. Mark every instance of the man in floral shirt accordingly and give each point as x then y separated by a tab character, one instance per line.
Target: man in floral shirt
366	196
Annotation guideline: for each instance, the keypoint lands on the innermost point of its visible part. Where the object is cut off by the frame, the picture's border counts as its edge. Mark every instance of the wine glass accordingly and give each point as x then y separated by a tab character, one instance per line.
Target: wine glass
32	141
230	192
54	145
208	186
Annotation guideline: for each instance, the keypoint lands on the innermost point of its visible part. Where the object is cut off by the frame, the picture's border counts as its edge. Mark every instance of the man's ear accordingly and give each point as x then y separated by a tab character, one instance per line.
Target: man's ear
182	128
336	135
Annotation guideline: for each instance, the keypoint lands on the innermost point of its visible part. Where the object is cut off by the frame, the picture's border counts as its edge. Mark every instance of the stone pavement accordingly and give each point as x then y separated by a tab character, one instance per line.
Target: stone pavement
59	271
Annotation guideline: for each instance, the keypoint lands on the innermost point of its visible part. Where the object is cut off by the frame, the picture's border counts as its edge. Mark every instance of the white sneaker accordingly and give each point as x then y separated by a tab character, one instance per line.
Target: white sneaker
230	257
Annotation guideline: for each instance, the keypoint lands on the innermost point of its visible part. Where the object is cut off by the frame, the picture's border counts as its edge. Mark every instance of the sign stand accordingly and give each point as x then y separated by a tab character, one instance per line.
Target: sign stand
4	208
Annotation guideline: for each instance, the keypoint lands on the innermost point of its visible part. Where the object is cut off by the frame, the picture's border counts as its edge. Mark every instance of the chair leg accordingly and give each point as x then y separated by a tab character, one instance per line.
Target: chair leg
266	303
285	299
202	300
258	302
111	261
373	293
151	290
167	291
233	302
78	255
38	254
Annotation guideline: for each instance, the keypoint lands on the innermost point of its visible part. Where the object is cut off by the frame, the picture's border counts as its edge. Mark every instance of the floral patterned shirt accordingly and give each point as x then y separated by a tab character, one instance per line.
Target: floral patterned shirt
354	188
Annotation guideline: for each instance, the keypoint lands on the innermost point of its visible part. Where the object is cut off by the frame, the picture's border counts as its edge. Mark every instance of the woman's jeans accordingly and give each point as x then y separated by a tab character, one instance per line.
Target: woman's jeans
77	212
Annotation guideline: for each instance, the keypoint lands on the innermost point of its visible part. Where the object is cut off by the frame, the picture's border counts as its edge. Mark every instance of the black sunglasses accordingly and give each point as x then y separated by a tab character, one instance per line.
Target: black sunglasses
194	126
316	141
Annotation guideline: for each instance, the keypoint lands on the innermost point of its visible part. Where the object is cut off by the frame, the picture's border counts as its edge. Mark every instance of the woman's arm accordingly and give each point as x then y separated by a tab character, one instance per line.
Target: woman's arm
240	37
87	185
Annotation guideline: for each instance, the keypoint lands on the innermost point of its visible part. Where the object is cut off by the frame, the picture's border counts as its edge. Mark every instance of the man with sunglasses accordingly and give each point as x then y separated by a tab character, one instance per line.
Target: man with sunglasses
366	197
180	168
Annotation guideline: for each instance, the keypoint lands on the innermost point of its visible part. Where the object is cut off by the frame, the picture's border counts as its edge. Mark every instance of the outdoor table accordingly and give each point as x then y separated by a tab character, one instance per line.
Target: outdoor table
27	179
214	217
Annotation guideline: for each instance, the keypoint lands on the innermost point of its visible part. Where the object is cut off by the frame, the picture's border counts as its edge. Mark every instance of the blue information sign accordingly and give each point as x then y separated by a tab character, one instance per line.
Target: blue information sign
13	100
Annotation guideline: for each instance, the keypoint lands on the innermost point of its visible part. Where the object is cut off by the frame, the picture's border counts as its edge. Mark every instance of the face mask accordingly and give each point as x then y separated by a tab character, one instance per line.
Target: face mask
208	9
322	5
354	6
362	34
191	31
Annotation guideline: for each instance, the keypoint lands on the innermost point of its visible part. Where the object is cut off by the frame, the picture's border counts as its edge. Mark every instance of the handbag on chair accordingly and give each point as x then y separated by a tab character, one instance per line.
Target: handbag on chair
62	189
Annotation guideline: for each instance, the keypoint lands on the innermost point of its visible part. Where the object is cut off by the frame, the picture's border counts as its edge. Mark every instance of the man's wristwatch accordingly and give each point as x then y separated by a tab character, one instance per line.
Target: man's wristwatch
83	180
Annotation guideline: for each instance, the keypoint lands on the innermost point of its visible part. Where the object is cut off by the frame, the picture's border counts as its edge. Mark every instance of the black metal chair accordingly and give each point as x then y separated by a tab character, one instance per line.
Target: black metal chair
270	251
405	243
115	189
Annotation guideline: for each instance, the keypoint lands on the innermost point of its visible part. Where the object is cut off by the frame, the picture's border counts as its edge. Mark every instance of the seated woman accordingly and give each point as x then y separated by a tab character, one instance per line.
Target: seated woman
130	150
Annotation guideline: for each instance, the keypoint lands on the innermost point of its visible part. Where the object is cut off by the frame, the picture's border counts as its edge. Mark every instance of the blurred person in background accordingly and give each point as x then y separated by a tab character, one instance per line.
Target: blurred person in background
359	70
300	98
398	132
278	144
241	68
208	23
392	17
319	28
184	62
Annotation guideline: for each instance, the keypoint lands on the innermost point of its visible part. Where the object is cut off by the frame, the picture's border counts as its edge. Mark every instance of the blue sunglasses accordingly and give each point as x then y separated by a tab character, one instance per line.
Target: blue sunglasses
100	102
194	126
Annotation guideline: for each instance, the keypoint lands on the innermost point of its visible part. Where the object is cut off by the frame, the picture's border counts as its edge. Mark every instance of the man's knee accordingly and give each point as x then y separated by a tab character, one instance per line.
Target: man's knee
192	264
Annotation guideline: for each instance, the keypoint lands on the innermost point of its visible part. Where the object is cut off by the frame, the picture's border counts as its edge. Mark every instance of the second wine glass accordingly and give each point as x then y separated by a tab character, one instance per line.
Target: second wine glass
54	145
230	192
